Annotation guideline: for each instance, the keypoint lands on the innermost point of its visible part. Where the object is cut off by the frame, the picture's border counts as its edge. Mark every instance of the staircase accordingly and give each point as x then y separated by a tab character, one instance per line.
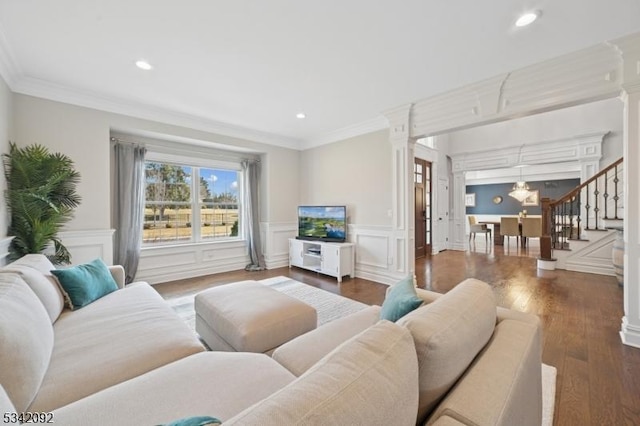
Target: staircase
580	228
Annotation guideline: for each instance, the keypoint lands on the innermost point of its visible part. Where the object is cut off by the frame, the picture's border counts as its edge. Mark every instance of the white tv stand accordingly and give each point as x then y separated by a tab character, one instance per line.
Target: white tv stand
333	259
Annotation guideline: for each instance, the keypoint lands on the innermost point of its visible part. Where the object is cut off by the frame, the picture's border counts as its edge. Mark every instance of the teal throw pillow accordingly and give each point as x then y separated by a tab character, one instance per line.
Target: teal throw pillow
195	421
400	300
86	283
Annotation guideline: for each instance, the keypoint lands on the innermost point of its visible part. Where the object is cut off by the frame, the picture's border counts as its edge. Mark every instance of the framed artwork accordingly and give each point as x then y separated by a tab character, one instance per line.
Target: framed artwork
533	199
470	200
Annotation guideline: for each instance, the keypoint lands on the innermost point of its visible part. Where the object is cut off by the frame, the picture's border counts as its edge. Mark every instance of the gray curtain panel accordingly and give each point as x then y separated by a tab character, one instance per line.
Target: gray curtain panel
251	171
129	206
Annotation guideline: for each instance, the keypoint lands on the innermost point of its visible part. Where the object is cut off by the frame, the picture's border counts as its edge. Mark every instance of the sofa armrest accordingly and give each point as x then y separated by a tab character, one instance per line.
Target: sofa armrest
503	386
117	272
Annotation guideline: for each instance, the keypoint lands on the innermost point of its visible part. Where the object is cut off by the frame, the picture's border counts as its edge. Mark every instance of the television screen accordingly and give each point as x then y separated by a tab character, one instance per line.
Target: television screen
327	223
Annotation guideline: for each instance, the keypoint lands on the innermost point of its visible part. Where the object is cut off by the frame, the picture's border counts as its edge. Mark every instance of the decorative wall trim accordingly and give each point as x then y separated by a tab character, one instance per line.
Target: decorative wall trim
587	147
276	242
584	76
374	255
169	263
87	245
595	257
4	249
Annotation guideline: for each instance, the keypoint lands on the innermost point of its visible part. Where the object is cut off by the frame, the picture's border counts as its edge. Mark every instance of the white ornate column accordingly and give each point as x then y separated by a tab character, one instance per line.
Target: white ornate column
459	211
403	221
630	49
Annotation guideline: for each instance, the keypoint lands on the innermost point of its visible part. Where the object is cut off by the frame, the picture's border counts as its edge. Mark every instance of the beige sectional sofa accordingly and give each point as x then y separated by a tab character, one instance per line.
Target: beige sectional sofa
127	359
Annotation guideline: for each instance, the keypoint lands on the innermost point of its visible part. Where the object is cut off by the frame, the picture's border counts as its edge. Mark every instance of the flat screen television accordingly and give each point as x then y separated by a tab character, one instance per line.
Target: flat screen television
323	223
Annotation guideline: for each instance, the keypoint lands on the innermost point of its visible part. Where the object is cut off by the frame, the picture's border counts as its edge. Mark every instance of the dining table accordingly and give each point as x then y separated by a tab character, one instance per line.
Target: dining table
498	239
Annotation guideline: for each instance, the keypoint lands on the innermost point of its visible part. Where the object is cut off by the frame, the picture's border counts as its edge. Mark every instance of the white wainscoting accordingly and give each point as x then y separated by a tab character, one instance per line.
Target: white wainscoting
87	245
275	242
374	256
169	263
84	246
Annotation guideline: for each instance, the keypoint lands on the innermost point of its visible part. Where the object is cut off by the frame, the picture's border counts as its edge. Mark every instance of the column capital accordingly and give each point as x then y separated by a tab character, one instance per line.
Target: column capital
629	49
399	123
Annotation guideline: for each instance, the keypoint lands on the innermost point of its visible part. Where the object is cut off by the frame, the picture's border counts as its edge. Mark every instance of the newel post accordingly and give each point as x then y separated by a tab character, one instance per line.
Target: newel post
545	239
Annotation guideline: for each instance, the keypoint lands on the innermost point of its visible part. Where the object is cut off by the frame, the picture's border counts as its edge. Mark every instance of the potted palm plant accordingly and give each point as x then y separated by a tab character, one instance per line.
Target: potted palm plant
41	195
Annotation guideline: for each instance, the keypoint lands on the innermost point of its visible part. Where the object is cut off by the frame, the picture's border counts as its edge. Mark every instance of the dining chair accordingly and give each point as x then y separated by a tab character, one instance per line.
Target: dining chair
510	227
531	227
477	228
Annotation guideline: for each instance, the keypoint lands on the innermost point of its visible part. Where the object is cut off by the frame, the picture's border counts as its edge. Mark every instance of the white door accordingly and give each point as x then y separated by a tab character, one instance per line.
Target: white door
442	218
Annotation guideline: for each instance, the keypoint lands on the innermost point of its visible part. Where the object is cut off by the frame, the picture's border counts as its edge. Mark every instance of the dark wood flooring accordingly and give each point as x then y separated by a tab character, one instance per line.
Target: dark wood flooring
598	377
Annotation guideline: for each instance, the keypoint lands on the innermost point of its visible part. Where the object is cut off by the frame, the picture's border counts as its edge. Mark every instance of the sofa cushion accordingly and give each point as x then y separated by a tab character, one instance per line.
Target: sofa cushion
401	299
369	380
448	334
26	340
86	283
304	351
34	270
120	336
217	384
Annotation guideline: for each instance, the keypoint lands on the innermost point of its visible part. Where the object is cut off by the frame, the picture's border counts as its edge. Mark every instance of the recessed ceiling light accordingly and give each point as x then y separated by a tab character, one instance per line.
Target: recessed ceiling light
143	65
527	18
301	115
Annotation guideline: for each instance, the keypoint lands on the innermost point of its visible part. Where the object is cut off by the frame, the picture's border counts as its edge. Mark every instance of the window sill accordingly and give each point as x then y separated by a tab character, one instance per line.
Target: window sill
229	243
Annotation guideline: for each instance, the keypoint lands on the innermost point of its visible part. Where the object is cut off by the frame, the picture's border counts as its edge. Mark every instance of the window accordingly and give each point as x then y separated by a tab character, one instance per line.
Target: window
429	142
185	204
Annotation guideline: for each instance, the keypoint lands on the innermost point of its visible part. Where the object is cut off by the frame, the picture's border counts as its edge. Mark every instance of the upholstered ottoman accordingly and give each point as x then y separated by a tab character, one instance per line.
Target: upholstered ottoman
250	317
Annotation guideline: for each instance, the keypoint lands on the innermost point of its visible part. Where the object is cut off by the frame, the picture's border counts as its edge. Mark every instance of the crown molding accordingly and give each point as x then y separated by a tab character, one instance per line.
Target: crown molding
9	68
364	127
60	93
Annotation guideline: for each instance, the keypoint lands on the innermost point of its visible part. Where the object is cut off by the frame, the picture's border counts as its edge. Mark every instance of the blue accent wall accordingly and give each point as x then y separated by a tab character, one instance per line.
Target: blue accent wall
553	189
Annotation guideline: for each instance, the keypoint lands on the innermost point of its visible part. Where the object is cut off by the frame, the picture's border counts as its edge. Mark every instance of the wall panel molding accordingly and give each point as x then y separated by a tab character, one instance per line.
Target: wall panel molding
87	245
169	263
275	242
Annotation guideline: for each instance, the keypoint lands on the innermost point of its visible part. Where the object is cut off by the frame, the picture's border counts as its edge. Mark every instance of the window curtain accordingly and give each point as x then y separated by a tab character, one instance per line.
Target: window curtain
129	206
251	175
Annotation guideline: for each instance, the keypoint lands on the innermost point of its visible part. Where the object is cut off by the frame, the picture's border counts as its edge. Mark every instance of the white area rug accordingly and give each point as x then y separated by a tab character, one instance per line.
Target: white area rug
330	306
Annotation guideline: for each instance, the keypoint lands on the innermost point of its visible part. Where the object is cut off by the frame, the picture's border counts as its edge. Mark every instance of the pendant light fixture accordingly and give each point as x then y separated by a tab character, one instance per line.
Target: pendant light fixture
520	190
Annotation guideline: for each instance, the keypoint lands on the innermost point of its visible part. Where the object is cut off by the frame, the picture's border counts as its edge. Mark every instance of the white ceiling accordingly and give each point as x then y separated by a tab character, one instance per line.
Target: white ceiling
255	64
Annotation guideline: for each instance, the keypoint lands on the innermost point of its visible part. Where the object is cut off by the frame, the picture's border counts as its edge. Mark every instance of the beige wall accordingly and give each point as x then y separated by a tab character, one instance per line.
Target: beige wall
83	134
6	110
355	172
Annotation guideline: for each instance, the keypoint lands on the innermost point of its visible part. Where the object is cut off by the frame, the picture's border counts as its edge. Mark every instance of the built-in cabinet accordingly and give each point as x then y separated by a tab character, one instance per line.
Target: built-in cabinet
333	259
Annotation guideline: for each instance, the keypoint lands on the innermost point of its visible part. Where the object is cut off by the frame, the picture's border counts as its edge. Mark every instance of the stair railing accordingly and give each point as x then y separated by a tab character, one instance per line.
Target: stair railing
563	219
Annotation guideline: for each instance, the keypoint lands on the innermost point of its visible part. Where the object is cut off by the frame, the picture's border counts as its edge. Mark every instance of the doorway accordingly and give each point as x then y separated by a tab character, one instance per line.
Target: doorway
423	225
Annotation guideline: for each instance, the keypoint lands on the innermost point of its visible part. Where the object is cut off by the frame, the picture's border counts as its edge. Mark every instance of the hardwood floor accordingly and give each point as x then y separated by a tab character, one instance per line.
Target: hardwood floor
598	377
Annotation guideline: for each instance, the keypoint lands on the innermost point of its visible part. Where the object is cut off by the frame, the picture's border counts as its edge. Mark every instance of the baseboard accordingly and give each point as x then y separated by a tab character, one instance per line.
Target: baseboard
372	276
630	334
